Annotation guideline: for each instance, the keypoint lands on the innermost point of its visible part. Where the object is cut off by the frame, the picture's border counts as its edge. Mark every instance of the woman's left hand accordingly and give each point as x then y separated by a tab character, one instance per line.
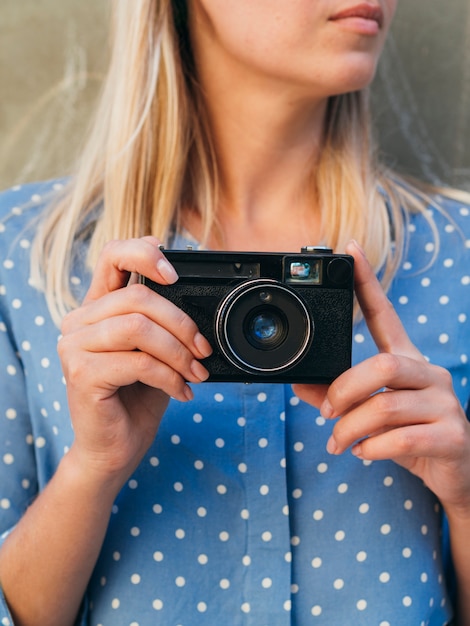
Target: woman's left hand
396	405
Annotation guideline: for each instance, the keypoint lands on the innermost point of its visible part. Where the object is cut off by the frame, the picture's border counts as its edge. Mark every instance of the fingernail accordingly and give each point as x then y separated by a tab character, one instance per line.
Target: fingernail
167	271
357	450
199	371
331	446
326	409
202	345
188	392
358	247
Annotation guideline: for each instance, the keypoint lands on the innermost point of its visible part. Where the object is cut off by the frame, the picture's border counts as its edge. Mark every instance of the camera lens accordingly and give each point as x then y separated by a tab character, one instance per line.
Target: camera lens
263	326
265	329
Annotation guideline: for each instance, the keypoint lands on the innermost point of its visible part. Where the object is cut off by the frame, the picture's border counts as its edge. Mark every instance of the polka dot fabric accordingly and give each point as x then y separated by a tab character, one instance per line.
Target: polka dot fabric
237	514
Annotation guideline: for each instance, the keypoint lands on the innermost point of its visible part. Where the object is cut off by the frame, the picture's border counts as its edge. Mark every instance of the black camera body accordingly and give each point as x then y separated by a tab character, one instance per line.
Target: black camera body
269	317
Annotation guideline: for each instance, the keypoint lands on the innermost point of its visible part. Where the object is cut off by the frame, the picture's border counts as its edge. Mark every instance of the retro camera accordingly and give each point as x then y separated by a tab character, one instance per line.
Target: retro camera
269	317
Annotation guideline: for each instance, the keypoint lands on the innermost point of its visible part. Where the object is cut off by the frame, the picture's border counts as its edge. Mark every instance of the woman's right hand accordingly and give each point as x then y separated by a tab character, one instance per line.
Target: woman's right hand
124	352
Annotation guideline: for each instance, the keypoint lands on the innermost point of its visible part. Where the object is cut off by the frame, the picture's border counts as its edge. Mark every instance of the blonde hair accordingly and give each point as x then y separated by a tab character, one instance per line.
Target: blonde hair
149	154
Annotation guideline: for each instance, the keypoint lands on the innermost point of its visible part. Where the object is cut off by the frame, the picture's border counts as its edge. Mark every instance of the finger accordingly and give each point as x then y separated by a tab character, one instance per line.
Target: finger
119	259
120	370
382	370
312	394
135	332
139	299
381	413
381	318
405	445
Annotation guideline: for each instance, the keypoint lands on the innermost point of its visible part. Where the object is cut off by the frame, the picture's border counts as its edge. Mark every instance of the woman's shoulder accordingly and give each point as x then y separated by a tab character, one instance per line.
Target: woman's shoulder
21	204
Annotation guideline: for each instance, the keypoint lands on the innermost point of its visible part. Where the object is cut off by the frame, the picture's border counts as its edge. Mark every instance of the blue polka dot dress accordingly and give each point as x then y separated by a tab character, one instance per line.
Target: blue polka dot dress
237	514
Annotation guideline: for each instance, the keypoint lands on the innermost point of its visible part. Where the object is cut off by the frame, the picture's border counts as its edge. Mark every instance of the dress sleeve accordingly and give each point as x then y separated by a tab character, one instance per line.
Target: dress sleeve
18	472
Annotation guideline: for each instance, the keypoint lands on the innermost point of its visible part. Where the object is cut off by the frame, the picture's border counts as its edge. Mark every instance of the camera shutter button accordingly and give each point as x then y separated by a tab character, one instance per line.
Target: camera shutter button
339	271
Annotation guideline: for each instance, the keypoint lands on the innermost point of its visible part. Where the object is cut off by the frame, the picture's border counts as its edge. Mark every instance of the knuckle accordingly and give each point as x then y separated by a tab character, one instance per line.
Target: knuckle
135	325
388	365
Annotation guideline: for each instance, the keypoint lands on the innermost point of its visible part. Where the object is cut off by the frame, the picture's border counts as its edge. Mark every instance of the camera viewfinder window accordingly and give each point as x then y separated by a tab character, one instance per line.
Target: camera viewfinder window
303	271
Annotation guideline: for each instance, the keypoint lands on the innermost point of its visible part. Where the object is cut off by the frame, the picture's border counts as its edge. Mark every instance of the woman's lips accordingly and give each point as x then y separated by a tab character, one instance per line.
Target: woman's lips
361	13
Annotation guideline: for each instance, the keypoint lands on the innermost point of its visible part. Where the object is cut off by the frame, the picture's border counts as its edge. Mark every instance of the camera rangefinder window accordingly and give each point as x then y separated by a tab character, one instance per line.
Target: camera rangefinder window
303	271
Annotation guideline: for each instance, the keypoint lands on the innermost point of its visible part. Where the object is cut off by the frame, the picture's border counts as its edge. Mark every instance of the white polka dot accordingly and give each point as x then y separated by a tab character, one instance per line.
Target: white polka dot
425	282
179	533
444	338
422	319
180	581
241	421
11	414
295	541
158	556
135	579
245	514
40	442
220	443
287	605
197	418
388	481
361	556
199	465
175	439
39	320
294	401
361	605
266	583
318	515
406	552
115	603
242	468
340	535
224	536
157	509
157	605
407	601
385	529
16	304
246	560
299	446
202	512
264	490
343	488
8	459
364	508
359	338
316	610
262	397
322	468
245	607
317	562
135	532
408	504
338	583
133	484
221	489
297	493
266	536
203	559
263	442
224	583
219	397
5	504
178	487
448	263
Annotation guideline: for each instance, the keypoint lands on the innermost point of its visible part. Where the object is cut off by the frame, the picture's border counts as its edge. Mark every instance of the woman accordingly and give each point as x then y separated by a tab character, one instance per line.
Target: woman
231	125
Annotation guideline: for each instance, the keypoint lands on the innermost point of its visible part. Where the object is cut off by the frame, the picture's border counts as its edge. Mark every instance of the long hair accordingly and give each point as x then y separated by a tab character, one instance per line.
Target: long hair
149	154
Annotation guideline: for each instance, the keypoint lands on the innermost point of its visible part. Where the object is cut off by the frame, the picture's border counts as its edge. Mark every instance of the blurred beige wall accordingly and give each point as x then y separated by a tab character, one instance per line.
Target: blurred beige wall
53	53
52	58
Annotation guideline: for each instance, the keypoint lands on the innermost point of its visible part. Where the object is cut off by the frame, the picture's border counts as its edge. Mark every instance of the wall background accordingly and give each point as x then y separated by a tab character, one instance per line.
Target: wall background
53	55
